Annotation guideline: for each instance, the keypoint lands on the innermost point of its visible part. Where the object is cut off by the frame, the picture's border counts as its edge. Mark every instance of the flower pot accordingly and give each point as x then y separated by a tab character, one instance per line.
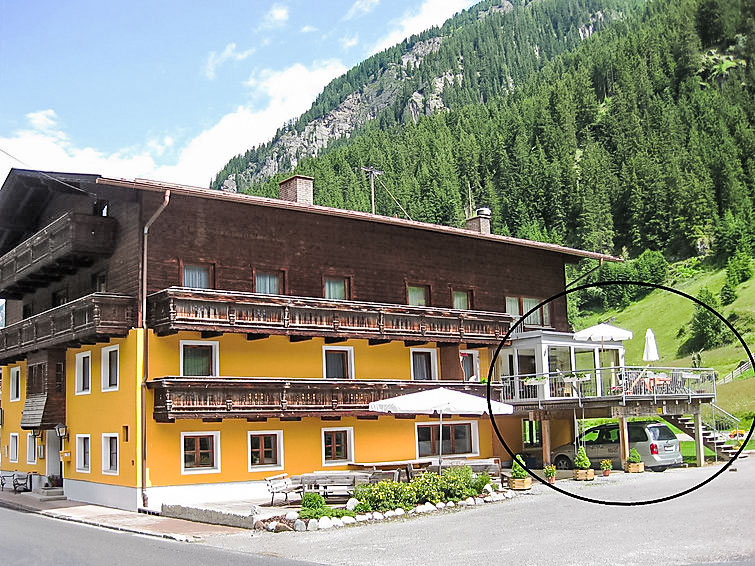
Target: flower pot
584	475
634	468
520	483
552	480
606	473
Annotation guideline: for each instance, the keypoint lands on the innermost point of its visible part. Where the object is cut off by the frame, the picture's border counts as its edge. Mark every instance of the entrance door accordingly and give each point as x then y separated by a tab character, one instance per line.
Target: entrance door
52	446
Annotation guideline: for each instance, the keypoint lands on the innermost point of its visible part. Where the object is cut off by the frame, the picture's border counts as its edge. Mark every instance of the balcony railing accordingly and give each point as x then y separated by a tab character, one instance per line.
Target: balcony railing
250	397
612	382
68	243
177	309
93	318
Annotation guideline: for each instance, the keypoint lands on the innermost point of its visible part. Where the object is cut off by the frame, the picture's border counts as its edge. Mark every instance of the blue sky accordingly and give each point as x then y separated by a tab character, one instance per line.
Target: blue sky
171	90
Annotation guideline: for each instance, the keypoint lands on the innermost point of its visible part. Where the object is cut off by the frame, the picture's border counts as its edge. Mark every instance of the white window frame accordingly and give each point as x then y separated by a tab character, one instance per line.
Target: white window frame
106	454
13	440
215	351
78	390
473	430
279	449
433	361
31	455
476	362
349	352
349	446
15	376
216	453
105	368
80	454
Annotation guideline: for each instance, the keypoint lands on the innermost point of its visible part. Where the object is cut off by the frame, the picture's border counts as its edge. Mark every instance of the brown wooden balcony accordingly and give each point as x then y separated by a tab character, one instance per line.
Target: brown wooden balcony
259	398
177	309
72	241
90	319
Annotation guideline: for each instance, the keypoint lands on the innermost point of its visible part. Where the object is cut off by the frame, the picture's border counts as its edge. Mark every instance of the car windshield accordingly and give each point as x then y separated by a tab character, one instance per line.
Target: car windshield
661	432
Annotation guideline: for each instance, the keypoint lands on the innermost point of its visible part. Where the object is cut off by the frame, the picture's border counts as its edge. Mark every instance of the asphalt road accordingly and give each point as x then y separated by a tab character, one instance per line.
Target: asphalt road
33	540
711	525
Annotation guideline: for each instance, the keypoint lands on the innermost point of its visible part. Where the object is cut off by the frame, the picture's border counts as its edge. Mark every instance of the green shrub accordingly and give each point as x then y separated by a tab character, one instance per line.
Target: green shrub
479	483
517	472
312	500
427	488
456	483
728	294
313	506
634	457
581	461
385	495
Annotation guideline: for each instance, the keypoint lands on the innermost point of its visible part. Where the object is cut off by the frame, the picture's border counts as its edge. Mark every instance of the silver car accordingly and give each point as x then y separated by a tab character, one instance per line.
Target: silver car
656	443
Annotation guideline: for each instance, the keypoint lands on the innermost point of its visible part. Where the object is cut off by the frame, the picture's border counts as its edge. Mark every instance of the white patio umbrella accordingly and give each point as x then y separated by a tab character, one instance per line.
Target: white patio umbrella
602	332
651	348
441	401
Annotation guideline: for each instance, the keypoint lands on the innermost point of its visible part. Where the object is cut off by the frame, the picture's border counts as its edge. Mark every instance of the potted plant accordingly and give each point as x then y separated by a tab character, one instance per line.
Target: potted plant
519	478
634	464
550	473
606	465
582	469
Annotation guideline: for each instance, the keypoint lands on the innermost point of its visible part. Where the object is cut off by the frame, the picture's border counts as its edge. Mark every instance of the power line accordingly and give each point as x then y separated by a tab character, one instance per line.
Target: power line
78	189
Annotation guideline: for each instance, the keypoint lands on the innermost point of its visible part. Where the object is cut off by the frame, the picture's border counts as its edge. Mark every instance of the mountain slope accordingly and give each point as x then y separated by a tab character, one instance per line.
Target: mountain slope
479	54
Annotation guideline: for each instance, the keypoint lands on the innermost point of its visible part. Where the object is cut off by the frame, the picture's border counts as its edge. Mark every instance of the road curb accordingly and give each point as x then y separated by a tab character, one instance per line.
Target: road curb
27	509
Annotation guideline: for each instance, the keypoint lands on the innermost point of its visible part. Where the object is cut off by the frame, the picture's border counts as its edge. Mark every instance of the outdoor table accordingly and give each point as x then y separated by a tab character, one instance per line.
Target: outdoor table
321	480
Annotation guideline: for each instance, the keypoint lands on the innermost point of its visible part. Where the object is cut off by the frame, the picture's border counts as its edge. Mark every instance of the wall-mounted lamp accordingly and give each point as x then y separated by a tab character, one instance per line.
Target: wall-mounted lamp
36	432
61	430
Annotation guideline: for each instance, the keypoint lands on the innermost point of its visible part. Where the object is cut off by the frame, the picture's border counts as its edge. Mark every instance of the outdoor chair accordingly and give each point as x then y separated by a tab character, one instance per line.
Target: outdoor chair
381	475
281	483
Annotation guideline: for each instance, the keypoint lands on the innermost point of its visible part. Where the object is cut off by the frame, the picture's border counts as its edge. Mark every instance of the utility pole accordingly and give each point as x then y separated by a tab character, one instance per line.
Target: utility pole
372	172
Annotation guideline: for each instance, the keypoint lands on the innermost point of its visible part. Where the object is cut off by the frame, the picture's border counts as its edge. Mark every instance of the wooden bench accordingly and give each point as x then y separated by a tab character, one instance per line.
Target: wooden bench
323	482
281	483
5	477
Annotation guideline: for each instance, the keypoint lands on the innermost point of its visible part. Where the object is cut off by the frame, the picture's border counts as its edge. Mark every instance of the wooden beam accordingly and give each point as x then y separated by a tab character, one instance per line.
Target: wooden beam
330	418
334	339
256	419
212	420
295	338
211	334
250	336
410	343
290	418
545	434
367	417
623	441
378	341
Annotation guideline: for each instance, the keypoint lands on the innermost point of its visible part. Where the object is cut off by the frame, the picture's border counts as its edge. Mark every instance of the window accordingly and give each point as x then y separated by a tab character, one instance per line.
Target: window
15	383
418	295
36	378
337	446
517	306
338	362
27	310
83	373
458	438
337	288
59	297
99	282
531	433
424	364
268	282
13	456
197	276
200	452
31	448
462	300
110	368
82	453
470	363
110	454
535	318
199	358
265	450
512	306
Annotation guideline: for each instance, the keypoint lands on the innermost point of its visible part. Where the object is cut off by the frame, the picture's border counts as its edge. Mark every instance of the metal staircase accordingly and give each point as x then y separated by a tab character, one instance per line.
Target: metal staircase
715	431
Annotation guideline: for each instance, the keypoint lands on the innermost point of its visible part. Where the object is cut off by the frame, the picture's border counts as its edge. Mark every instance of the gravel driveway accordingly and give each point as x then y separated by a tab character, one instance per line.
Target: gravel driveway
713	524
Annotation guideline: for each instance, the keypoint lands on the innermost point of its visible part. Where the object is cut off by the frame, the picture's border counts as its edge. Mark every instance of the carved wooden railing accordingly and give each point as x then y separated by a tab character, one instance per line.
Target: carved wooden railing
35	261
249	397
201	310
88	319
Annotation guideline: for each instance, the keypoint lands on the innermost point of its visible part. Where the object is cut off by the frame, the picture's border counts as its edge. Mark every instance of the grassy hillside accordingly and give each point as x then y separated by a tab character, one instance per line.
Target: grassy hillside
666	313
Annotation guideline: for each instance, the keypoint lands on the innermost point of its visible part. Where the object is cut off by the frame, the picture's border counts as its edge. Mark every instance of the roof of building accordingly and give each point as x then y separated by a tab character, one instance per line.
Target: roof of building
186	190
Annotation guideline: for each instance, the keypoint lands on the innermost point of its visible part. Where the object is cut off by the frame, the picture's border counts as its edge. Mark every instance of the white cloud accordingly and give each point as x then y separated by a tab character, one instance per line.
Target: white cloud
430	13
308	29
349	41
279	96
360	7
214	60
276	16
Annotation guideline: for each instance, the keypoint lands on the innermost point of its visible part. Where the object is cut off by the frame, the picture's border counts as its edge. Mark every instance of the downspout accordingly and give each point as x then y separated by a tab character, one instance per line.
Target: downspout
145	351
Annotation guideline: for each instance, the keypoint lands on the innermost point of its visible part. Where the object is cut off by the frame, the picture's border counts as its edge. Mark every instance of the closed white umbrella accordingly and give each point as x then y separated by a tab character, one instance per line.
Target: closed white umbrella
651	348
441	401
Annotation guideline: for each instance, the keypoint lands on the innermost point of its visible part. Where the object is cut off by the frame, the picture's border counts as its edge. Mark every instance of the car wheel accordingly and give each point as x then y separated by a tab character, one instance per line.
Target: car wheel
562	463
659	468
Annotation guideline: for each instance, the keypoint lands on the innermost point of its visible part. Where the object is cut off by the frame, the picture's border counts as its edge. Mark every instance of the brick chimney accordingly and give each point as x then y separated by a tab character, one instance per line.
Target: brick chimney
298	189
480	222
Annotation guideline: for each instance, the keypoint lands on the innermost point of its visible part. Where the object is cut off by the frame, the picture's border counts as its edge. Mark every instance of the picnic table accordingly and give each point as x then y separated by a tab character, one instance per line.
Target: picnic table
323	481
397	466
